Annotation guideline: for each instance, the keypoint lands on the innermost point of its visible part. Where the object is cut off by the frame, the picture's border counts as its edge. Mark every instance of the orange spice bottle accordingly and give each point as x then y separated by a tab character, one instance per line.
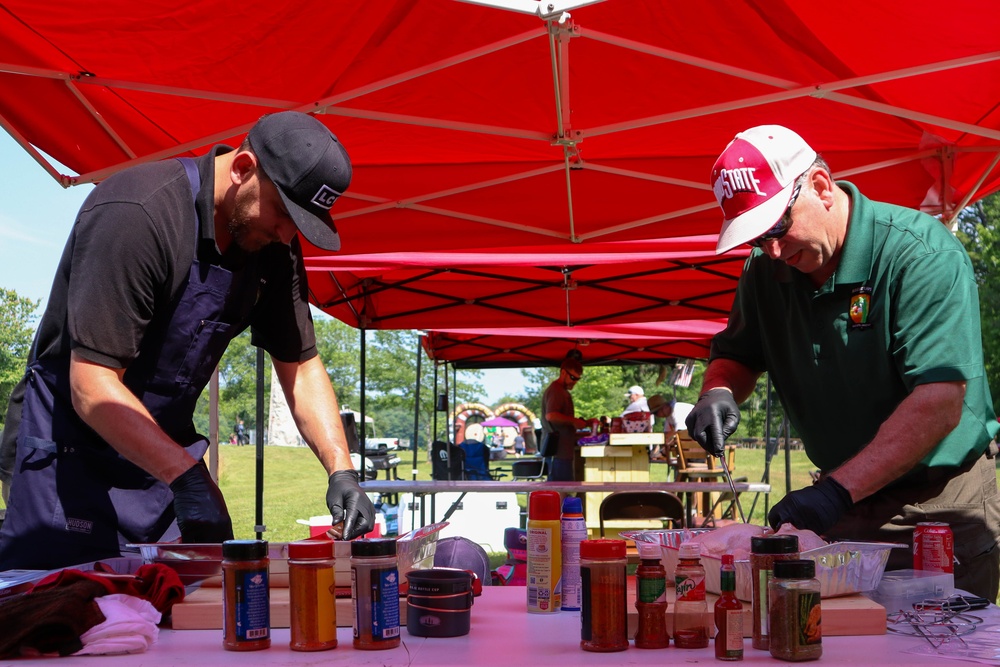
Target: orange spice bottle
312	596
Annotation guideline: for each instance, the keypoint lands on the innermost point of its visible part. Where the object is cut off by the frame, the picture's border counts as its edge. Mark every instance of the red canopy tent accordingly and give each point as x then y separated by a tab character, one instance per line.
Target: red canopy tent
558	125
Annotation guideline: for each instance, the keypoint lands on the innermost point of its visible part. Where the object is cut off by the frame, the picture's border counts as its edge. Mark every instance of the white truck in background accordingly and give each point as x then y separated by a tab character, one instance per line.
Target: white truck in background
374	446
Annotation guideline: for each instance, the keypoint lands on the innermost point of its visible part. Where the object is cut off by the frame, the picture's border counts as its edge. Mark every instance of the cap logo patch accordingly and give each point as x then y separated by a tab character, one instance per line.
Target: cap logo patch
325	197
731	181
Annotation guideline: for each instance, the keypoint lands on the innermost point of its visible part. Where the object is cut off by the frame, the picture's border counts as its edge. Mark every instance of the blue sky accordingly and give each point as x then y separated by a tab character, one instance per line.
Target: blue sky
35	217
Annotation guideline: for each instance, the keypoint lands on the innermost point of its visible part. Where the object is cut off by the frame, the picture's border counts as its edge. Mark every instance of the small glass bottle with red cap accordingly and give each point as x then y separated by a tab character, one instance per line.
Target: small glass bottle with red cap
312	596
604	626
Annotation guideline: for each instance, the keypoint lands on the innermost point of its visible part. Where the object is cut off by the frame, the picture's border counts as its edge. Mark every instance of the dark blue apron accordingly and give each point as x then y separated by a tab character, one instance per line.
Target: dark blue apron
74	499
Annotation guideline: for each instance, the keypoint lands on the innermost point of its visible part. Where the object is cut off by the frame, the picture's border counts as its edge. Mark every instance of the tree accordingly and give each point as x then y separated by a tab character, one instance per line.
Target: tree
979	231
17	316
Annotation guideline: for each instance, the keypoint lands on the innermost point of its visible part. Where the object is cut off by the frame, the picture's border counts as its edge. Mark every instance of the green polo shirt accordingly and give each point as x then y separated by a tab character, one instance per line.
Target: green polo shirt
902	309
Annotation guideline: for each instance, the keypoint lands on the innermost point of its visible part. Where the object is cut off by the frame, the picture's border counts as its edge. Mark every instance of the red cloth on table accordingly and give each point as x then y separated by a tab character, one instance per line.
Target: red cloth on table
155	582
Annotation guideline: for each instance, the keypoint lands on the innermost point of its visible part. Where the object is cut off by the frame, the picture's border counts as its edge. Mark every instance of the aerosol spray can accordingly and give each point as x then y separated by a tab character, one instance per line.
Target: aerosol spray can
574	531
544	553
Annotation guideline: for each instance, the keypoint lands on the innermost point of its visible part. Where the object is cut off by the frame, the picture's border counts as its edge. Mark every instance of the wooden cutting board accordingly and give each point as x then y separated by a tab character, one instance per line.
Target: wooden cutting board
843	616
202	610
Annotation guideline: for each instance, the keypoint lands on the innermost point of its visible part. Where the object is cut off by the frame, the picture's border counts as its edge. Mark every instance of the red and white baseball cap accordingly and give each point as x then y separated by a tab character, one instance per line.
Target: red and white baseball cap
753	180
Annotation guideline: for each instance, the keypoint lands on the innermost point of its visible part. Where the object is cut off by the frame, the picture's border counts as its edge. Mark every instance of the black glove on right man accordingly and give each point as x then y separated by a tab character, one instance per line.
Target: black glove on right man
713	419
816	508
201	510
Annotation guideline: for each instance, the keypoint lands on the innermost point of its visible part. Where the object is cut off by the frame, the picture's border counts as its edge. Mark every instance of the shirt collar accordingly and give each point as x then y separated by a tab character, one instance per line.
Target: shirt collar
856	256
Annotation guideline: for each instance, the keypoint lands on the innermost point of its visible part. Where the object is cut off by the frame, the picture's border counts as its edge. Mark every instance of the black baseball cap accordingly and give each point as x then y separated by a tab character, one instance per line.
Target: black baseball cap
309	167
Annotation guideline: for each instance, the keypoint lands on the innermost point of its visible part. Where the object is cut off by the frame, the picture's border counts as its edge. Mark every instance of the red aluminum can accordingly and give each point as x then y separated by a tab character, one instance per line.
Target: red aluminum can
933	547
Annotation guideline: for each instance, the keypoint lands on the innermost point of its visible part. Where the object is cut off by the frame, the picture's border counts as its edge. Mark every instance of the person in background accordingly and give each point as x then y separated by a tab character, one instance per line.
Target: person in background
519	445
662	408
877	306
166	263
559	416
637	400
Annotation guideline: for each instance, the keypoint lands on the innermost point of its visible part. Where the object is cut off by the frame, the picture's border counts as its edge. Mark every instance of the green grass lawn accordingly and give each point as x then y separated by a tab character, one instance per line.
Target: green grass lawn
295	485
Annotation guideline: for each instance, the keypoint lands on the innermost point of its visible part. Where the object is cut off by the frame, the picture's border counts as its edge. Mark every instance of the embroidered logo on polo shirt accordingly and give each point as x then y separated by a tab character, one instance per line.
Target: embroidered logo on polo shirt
861	298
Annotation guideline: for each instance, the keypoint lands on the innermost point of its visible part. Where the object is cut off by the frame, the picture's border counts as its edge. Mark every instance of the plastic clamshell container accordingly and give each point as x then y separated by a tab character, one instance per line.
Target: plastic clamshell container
843	568
901	589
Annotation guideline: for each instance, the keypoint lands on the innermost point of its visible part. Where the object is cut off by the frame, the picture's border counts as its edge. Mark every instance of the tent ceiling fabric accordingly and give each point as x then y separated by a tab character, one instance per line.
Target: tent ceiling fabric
491	131
648	342
676	279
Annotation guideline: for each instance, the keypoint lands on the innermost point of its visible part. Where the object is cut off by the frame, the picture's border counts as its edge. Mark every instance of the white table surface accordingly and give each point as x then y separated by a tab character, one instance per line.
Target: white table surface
503	635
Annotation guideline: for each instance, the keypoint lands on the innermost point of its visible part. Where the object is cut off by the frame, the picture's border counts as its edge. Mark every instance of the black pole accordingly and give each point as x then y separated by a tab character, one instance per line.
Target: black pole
363	426
454	401
786	428
416	412
435	424
259	442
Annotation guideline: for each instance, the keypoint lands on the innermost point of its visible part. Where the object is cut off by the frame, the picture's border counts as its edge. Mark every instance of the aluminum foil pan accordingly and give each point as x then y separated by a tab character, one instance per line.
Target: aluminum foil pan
842	568
202	563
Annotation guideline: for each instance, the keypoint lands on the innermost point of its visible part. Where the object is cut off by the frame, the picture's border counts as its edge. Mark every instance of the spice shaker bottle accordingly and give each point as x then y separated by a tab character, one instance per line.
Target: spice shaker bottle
544	587
690	609
764	552
246	602
728	614
795	618
311	596
651	598
375	593
574	531
604	627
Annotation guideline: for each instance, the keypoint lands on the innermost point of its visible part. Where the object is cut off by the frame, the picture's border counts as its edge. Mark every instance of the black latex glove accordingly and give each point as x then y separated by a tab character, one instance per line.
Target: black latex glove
816	508
348	503
713	419
201	510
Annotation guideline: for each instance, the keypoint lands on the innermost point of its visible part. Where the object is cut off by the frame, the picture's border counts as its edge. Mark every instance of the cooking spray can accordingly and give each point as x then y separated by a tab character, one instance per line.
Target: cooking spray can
544	553
574	531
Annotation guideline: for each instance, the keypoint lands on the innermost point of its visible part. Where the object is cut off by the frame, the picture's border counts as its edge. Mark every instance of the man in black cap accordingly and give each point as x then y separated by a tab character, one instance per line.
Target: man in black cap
166	263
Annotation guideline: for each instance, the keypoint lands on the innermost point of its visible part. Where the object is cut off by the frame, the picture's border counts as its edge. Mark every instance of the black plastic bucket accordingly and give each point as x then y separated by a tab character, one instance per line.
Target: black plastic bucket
439	602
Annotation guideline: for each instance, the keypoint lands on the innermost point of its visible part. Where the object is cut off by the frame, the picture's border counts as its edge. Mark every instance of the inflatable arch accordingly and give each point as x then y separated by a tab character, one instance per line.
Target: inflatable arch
462	414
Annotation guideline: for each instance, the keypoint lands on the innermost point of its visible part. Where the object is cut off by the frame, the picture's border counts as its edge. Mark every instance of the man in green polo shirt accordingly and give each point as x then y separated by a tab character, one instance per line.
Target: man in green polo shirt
866	317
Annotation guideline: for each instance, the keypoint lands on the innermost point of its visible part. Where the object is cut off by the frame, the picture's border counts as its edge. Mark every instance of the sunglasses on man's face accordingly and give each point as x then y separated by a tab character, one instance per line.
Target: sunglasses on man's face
782	226
574	378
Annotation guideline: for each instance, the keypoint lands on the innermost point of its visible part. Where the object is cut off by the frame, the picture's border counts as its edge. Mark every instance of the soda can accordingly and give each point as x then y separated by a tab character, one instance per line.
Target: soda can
933	547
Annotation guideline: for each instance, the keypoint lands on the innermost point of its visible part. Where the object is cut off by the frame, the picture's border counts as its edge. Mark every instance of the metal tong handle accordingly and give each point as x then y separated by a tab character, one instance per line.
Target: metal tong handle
729	478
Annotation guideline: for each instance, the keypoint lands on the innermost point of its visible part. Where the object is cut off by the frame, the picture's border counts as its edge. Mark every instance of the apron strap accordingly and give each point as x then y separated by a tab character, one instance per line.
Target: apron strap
194	178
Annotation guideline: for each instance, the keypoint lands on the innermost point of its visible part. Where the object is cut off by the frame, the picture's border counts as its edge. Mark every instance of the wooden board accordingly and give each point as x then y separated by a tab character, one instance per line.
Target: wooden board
844	616
202	610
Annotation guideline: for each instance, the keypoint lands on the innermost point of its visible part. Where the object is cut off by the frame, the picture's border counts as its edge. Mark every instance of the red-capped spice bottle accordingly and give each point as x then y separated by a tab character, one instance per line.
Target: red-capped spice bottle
651	598
246	601
604	627
312	596
690	609
728	614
